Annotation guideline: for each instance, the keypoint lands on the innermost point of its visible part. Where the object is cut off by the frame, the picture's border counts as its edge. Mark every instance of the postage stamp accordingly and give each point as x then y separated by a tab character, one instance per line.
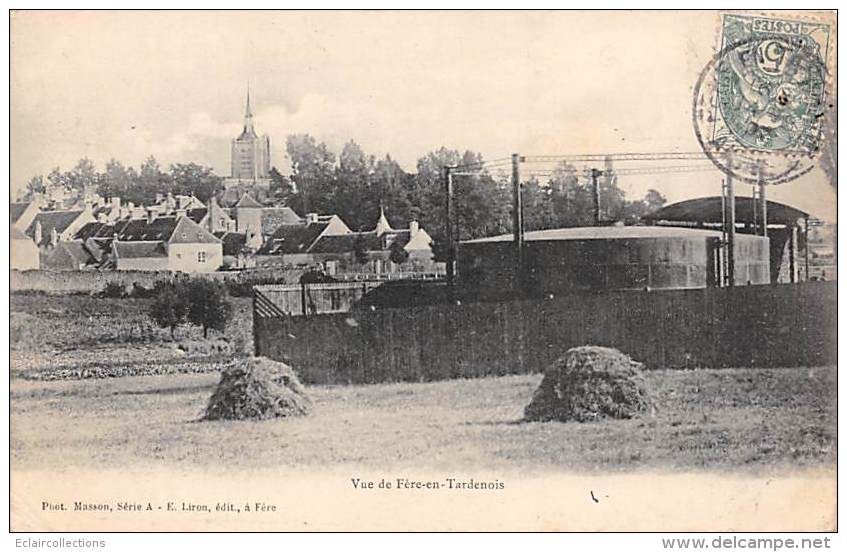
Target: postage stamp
761	103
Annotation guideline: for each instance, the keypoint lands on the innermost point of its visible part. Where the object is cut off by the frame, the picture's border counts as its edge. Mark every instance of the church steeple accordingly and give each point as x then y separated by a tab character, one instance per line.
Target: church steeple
248	118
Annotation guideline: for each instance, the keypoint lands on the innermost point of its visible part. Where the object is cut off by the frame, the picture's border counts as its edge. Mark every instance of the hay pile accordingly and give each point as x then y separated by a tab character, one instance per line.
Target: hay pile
257	388
590	383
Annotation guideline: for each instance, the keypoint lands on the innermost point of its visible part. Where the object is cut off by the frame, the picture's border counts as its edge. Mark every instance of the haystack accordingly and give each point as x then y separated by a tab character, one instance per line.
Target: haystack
258	389
590	383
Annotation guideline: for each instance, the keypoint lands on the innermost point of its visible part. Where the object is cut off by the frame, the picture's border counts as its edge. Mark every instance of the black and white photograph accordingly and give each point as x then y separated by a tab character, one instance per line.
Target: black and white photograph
423	271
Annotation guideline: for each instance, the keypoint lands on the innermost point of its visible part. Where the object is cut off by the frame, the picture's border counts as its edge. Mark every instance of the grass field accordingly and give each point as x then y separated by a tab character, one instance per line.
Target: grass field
717	419
723	419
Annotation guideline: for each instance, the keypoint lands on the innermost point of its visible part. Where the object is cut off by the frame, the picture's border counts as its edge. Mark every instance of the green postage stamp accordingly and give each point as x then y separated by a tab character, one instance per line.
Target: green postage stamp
761	105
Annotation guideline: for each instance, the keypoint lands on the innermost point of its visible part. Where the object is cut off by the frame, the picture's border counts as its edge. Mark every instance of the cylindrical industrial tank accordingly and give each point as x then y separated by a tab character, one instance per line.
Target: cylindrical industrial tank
610	257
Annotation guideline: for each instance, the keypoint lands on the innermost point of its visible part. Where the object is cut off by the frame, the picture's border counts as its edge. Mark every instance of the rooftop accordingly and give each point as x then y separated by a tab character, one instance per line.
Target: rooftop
139	250
50	220
605	233
710	210
16	210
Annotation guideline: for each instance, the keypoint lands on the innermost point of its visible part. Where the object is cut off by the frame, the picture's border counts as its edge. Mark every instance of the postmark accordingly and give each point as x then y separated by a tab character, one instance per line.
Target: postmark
760	103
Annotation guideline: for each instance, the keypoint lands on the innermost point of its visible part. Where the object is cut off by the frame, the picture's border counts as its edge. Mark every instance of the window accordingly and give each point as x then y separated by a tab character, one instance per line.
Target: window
201	256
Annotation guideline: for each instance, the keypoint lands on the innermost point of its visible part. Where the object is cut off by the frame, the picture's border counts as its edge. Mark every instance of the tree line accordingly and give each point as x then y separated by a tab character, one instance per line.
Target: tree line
355	184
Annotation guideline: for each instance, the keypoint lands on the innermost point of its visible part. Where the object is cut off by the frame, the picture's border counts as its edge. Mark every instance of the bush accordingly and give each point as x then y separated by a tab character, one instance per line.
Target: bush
112	290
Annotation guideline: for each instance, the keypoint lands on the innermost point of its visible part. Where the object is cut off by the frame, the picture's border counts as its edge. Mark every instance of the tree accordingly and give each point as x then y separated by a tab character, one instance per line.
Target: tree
398	254
354	199
481	202
57	179
196	180
207	304
360	252
117	180
280	187
35	186
150	181
313	168
83	176
169	308
654	200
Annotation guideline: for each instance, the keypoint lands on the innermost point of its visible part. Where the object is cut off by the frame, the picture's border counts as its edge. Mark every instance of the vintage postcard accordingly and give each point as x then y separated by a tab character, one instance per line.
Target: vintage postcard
548	271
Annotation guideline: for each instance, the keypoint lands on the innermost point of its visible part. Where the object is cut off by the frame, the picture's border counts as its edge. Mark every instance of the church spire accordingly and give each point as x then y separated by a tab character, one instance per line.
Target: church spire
248	117
247	113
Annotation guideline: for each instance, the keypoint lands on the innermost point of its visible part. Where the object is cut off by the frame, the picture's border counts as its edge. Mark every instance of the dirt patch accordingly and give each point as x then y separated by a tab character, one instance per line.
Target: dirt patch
590	383
258	388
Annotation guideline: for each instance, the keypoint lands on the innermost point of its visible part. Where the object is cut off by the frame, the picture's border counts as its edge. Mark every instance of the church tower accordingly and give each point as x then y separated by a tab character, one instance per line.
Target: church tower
251	155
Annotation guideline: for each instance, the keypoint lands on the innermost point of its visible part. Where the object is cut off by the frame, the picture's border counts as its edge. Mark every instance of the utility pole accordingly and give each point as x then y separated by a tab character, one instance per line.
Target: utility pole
730	199
763	198
806	249
755	211
448	225
517	217
595	186
792	252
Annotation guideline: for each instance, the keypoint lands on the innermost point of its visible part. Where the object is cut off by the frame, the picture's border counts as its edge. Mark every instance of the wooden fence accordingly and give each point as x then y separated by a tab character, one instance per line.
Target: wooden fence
760	326
310	299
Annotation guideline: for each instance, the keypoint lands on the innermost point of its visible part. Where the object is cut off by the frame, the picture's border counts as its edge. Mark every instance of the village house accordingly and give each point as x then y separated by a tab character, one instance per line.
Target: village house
50	228
23	253
372	251
328	241
175	243
21	214
291	244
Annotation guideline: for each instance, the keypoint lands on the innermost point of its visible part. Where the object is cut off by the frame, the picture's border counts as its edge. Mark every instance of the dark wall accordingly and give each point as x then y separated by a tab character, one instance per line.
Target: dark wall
759	326
676	262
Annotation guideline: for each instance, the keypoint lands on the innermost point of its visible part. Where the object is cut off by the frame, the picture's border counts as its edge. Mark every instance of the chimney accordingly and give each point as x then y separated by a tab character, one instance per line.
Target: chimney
38	233
54	237
311	218
413	228
151	214
116	203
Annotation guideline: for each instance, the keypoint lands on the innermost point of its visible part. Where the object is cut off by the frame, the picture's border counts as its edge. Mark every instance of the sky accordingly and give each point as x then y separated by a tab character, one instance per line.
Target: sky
127	85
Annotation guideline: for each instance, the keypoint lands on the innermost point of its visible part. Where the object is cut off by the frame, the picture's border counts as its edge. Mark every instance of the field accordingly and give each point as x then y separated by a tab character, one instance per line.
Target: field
55	334
734	419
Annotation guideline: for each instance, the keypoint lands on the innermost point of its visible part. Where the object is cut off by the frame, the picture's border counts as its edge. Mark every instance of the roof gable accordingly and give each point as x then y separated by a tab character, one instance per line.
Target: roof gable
197	214
16	210
188	231
274	217
52	220
295	238
233	242
247	202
